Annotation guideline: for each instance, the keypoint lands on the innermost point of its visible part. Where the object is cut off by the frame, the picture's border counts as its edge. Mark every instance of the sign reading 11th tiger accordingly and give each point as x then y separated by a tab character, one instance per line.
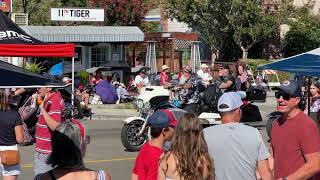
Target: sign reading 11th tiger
76	14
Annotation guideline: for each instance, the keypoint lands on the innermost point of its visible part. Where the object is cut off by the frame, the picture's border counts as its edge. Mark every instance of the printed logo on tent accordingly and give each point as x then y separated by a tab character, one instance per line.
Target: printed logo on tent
7	35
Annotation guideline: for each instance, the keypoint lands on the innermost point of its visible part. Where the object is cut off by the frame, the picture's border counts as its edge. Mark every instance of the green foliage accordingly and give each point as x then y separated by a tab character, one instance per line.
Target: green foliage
150	27
250	24
74	3
216	21
34	67
304	35
123	13
207	17
84	77
38	10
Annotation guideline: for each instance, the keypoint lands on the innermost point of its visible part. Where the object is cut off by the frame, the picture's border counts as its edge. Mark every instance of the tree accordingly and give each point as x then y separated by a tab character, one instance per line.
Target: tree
123	12
39	10
303	36
207	17
250	24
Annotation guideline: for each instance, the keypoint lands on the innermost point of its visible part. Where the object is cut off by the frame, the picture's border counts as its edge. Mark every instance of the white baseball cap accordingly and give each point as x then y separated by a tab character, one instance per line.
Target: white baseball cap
229	101
204	66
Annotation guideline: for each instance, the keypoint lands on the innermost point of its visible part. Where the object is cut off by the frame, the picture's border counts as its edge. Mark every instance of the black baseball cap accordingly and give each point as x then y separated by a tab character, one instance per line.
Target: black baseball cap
290	87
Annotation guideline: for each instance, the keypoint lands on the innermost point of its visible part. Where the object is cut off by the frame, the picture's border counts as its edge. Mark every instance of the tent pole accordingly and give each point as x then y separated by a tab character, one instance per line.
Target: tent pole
309	95
72	94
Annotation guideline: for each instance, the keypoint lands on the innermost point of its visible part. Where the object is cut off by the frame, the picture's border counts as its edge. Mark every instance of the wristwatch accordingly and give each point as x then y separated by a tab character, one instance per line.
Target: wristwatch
284	178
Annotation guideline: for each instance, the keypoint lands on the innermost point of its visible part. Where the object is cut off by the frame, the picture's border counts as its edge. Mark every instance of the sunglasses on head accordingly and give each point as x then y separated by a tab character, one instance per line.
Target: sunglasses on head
285	96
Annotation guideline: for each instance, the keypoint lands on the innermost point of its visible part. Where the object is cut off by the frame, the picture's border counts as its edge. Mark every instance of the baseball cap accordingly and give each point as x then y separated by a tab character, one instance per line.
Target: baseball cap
291	87
204	66
66	79
229	101
162	119
164	67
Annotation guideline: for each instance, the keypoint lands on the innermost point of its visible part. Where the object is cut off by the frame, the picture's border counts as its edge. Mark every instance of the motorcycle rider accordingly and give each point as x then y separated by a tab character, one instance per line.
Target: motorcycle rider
187	84
226	81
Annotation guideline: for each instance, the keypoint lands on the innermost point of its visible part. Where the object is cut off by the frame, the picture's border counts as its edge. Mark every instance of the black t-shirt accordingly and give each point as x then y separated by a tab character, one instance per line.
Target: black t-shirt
8	121
225	79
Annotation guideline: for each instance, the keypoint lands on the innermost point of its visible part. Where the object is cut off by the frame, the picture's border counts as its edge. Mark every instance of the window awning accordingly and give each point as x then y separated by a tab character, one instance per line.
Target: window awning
85	33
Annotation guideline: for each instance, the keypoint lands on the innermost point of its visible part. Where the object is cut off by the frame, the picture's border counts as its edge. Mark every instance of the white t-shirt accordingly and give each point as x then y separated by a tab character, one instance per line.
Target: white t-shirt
206	77
139	80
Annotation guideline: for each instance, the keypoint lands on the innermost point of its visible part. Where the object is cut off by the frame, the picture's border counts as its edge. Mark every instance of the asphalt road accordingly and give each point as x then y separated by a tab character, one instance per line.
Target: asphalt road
106	151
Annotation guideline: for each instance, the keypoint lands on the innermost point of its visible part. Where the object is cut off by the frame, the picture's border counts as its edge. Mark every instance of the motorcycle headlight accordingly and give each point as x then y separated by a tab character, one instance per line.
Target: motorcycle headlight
139	103
147	105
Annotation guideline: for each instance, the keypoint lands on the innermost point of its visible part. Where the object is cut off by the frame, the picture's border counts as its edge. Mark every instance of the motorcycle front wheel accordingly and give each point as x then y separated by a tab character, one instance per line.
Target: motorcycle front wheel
130	138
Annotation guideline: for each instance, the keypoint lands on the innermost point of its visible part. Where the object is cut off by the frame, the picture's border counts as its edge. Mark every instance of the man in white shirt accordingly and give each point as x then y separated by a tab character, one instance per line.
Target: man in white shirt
141	80
204	75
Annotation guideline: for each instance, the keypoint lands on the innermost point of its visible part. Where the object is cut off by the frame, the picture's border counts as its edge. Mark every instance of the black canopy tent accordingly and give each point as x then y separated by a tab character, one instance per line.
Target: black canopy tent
14	42
15	77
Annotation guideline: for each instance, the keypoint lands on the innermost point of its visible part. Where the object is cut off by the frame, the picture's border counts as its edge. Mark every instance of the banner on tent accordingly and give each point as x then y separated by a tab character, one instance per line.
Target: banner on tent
5	5
76	14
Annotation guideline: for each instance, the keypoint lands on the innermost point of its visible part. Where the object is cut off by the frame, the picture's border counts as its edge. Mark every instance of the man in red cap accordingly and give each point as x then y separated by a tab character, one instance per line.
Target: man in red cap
162	124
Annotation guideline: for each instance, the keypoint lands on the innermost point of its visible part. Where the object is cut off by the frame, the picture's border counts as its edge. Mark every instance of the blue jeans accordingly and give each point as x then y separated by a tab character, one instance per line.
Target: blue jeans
40	163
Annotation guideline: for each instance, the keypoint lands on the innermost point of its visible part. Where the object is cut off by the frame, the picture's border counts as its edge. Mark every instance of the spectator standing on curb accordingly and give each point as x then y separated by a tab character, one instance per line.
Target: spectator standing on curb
187	161
49	119
69	143
11	134
162	130
237	150
295	138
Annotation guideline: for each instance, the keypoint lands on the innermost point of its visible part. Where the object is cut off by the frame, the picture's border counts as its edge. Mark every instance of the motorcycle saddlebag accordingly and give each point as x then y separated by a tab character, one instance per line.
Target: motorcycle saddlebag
257	95
250	113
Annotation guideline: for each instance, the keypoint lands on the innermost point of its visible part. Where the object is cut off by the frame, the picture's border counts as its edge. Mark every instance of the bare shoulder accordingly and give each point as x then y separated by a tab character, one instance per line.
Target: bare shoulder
165	159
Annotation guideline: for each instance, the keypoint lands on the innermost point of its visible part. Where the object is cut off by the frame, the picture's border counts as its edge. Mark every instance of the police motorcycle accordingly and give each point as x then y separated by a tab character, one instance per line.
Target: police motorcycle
134	132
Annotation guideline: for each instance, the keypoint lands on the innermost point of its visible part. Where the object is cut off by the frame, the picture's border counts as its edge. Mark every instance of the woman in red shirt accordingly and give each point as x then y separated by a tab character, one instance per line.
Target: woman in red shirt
164	78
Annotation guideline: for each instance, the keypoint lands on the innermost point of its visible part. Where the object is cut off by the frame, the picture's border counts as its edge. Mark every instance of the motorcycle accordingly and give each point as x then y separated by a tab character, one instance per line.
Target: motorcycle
134	132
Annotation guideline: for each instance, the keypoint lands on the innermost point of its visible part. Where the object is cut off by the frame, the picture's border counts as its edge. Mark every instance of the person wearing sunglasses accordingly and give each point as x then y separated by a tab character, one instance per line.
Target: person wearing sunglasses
226	81
295	139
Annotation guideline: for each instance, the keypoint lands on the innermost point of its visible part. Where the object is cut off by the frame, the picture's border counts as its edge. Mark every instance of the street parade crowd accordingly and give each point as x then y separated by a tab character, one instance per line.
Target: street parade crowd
229	151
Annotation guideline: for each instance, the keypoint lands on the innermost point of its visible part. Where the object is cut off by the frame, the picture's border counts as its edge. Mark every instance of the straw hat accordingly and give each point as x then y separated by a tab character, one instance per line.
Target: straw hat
164	67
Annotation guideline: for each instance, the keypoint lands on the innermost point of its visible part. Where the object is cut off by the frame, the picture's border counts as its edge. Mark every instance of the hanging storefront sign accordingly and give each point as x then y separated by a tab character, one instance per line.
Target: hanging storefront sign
76	14
5	5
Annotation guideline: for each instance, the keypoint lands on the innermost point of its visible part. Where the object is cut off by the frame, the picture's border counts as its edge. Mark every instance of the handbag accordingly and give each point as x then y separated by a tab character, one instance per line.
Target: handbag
10	157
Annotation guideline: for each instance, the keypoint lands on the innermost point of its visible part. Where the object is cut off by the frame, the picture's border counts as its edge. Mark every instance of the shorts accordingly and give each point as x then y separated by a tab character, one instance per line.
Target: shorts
40	163
13	170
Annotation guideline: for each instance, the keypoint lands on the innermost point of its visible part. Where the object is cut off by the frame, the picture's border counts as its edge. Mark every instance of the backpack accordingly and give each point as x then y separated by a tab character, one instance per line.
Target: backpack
211	94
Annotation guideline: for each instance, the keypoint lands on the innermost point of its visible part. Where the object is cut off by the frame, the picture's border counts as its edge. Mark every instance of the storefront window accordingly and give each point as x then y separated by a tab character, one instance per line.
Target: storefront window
99	56
116	53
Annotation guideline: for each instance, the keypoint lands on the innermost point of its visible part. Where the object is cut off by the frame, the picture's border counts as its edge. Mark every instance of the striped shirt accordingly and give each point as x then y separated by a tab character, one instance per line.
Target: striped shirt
54	106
